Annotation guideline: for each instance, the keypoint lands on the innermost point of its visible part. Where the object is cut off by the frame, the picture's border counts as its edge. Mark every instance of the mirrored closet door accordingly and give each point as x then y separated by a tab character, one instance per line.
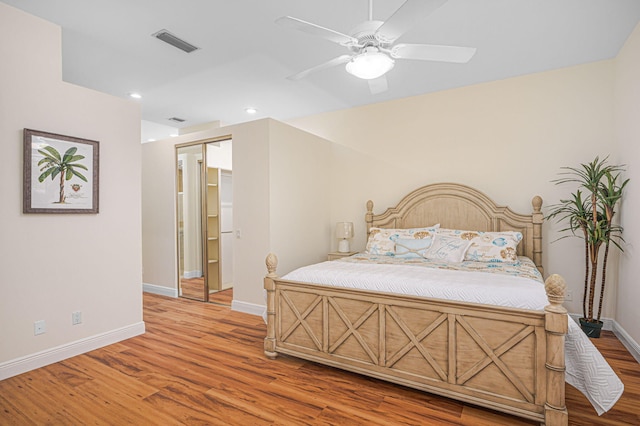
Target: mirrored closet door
204	211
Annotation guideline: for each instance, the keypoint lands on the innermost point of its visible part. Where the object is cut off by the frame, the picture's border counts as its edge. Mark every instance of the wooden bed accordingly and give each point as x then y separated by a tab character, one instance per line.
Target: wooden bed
507	359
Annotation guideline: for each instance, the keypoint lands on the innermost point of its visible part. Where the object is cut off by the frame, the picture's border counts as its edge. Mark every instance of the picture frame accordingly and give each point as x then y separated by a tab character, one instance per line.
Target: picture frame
61	174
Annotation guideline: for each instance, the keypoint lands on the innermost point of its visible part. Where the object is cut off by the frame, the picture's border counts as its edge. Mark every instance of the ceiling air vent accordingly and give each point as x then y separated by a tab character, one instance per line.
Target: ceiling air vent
169	38
177	120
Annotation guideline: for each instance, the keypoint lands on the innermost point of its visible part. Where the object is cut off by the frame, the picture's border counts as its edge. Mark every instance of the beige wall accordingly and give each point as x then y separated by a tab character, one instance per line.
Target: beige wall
300	197
159	230
279	186
52	265
507	138
627	113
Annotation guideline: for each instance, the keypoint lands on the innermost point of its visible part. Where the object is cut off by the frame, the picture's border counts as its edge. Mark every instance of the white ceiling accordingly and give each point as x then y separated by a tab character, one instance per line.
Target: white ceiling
244	58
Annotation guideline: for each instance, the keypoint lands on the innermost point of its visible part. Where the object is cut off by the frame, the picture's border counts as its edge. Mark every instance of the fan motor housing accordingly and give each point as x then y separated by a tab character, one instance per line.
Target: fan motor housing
365	34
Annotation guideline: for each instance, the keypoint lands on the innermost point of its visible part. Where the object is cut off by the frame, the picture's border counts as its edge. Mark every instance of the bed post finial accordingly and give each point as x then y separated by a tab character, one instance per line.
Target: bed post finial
536	202
272	264
537	218
369	216
270	287
556	289
556	325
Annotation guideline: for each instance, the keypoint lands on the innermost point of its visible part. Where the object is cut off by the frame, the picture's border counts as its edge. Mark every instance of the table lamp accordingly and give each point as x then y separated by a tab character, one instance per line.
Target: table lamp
344	231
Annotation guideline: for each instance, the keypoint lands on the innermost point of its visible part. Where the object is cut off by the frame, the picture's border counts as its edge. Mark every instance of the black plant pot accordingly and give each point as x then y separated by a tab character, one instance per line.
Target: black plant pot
591	329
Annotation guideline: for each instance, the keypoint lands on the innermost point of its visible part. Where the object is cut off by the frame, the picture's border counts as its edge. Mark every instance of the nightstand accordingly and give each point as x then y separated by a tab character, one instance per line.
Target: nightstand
337	255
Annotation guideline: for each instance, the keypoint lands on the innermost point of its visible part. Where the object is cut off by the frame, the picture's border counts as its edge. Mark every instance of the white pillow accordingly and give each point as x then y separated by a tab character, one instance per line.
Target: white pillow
447	249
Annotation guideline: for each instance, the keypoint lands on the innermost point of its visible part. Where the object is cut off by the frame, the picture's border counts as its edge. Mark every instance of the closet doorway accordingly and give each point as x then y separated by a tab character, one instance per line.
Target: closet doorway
204	202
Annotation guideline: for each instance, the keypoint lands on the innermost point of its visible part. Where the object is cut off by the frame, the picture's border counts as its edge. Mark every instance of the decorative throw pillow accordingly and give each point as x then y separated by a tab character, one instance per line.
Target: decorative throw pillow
382	241
447	249
488	246
410	248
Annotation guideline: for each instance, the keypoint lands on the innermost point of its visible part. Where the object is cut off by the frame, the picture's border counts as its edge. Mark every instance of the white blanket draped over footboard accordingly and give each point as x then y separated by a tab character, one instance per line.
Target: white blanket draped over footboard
586	368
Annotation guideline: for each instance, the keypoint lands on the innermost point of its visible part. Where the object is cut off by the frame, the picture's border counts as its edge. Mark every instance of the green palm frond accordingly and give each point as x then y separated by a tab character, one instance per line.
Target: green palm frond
74	158
78	174
79	166
53	152
46	174
48	157
68	154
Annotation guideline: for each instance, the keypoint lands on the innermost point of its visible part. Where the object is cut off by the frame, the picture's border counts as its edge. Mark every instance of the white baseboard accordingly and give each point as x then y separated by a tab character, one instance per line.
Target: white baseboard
158	289
612	325
632	346
49	356
248	308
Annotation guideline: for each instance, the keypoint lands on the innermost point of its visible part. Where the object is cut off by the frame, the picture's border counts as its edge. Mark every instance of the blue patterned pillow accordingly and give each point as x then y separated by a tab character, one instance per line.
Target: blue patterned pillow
500	247
411	248
382	241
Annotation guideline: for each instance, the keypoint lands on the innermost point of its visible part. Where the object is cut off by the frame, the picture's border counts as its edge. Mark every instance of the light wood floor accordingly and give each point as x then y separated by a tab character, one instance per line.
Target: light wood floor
202	364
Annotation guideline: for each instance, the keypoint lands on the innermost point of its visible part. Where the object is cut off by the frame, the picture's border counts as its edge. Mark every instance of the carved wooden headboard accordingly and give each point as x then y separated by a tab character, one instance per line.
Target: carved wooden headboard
457	206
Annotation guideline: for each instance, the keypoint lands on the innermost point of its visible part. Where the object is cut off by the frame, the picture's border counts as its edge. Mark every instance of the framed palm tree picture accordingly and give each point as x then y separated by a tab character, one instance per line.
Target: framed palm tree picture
60	173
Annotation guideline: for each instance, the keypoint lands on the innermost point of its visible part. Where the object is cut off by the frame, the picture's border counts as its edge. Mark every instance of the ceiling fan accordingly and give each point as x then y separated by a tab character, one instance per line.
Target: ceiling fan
372	43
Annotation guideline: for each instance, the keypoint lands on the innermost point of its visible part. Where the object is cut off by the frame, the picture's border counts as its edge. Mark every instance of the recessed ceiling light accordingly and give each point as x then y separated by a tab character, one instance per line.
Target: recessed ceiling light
250	110
151	140
135	95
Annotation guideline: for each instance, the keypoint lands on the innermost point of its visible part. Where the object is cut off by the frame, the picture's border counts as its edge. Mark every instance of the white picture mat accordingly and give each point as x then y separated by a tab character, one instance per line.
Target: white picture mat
46	194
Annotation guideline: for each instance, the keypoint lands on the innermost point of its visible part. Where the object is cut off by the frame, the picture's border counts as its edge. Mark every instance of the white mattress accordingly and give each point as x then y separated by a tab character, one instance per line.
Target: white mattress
586	368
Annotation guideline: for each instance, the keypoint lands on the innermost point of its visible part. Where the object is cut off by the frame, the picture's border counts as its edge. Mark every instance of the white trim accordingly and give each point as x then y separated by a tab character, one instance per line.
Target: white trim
248	308
49	356
632	346
161	290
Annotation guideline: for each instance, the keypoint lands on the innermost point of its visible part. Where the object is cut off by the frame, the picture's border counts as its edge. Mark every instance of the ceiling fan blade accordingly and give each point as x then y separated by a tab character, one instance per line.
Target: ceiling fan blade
405	18
331	63
429	52
316	30
378	85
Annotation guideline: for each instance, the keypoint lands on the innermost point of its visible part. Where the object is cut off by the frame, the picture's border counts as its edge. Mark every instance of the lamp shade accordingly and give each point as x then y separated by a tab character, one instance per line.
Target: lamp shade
370	64
344	230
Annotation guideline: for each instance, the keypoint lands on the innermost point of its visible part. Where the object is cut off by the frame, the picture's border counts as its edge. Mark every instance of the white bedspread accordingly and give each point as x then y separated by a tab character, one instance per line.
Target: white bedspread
586	368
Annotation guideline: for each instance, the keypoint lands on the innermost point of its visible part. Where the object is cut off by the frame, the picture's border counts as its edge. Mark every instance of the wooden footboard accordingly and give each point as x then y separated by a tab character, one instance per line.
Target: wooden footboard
511	360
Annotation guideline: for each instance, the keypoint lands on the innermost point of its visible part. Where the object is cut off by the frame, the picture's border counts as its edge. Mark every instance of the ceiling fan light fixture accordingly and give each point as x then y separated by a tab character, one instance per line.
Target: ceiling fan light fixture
370	64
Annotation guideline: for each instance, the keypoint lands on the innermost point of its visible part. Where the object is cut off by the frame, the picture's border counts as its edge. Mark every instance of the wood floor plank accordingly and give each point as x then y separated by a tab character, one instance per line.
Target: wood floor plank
203	364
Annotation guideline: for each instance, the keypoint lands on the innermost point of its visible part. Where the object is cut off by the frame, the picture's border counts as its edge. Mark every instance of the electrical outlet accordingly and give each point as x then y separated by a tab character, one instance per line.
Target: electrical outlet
569	296
39	327
76	318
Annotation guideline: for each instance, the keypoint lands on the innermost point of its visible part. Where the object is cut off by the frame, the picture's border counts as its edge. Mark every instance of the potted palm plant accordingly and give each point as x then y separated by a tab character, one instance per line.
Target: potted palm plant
589	213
